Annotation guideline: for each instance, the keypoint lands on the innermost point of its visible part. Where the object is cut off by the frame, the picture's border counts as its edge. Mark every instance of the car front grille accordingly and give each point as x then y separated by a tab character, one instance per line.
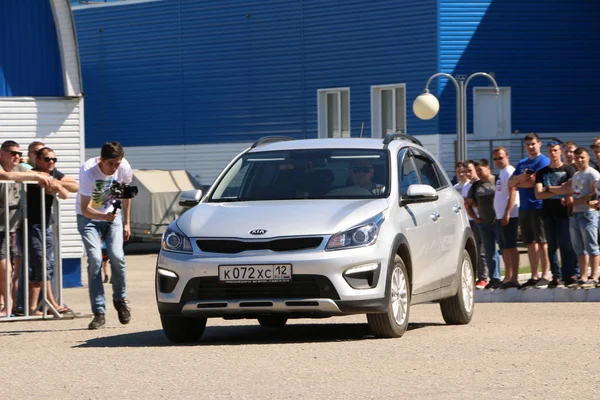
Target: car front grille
301	287
231	246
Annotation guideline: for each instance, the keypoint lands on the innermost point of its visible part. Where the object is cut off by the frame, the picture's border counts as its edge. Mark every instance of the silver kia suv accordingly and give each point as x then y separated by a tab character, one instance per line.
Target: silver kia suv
319	228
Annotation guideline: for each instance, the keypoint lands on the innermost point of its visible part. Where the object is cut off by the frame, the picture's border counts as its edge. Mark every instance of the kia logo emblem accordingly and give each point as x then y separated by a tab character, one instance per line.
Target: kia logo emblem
258	231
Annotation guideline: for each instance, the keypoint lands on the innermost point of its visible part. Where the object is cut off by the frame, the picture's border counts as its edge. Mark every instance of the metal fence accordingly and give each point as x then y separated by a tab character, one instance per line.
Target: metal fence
11	283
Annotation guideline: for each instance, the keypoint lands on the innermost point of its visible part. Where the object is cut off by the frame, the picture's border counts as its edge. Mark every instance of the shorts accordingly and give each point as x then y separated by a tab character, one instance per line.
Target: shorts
583	228
36	253
14	250
507	235
532	228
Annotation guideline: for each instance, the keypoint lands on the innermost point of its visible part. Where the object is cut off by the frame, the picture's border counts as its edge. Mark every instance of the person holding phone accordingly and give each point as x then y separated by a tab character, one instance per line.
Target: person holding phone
530	210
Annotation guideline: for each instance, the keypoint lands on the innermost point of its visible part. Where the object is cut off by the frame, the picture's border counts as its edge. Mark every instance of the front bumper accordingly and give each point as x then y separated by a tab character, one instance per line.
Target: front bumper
318	287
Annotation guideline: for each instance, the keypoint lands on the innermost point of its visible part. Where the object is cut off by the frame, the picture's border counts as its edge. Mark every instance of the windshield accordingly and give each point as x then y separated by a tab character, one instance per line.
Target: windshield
306	174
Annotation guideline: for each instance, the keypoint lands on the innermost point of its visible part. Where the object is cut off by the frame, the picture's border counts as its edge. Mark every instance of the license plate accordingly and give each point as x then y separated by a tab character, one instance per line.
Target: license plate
255	273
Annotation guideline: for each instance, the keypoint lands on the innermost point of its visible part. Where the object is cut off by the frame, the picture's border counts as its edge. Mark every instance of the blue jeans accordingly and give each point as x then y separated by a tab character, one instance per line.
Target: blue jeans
583	227
558	237
487	231
90	231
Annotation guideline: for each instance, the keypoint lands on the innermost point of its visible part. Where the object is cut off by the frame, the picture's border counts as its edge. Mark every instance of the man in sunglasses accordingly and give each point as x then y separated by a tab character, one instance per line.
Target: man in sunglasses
361	174
45	163
10	169
506	206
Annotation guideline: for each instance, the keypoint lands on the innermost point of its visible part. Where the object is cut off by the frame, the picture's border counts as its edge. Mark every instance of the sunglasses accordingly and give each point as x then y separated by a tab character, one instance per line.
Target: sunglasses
48	159
357	170
498	158
554	143
14	153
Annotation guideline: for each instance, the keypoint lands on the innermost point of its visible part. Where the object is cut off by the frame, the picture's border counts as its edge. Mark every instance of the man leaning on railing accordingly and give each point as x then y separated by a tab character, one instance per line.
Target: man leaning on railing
10	170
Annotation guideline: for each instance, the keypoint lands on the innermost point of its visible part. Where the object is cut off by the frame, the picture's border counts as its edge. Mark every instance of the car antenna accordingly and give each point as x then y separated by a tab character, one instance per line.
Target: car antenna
362	126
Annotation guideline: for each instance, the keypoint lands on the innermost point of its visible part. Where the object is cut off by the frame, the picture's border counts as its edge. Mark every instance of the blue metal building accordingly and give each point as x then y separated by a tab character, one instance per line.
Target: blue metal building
205	78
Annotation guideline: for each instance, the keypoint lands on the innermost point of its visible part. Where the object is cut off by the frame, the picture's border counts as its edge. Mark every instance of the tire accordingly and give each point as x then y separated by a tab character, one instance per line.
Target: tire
272	321
394	322
181	329
458	309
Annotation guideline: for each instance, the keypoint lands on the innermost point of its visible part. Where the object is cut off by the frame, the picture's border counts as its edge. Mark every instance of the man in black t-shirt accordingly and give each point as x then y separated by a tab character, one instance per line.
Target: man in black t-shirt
555	217
60	185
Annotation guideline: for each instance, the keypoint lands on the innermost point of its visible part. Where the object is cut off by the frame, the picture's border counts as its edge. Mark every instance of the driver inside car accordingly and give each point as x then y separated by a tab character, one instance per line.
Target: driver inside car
361	173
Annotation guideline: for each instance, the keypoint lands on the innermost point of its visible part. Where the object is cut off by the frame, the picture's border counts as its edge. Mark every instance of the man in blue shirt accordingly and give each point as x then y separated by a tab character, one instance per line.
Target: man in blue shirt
530	210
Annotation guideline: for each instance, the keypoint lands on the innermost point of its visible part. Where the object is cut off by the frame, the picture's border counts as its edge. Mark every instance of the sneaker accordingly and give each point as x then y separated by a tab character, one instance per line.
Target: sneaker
509	284
494	284
530	283
97	322
555	282
589	284
480	284
570	281
542	283
123	310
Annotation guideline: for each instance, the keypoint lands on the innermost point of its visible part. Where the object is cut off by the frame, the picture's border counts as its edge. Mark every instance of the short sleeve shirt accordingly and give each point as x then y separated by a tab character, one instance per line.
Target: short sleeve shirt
14	194
95	184
527	195
482	194
502	194
34	206
582	186
549	176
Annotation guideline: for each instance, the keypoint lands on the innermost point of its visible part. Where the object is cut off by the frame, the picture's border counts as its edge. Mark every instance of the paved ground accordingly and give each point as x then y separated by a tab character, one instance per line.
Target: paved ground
508	351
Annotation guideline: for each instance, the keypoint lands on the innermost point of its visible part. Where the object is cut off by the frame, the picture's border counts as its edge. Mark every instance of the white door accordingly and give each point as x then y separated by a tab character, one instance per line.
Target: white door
491	113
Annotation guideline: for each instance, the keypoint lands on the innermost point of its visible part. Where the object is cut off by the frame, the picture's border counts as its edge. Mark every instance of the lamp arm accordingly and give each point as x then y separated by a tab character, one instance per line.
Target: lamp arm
484	74
432	77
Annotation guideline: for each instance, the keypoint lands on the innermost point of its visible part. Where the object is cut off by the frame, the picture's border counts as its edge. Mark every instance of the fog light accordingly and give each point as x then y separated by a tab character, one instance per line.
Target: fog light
362	276
167	280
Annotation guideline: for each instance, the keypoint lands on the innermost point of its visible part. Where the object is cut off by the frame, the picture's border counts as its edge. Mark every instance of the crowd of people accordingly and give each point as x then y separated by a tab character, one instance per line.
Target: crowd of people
552	199
99	222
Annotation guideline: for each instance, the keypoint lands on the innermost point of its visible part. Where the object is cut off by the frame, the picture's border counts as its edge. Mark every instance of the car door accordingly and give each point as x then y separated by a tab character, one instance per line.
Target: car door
418	222
449	205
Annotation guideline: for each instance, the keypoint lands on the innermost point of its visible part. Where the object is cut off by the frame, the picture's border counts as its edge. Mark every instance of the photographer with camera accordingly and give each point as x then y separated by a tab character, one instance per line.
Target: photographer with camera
103	183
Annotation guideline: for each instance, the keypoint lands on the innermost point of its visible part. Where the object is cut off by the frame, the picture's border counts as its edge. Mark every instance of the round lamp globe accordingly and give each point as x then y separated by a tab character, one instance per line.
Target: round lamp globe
426	106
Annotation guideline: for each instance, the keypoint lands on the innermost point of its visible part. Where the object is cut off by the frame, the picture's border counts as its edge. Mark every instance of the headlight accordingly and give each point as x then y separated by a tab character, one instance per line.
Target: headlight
174	240
364	234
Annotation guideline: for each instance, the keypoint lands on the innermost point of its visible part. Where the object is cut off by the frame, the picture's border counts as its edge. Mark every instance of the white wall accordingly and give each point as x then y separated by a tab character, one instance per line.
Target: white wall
57	123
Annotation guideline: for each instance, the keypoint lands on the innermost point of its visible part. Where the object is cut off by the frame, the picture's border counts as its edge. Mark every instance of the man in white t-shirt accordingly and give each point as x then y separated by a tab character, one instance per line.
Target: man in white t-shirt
95	213
506	205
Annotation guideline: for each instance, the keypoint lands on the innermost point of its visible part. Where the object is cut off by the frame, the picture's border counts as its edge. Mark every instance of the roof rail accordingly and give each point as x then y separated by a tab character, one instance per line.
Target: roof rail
270	139
392	136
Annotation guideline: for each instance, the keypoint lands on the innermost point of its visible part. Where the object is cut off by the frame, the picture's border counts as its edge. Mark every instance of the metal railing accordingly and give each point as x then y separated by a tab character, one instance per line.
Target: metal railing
44	304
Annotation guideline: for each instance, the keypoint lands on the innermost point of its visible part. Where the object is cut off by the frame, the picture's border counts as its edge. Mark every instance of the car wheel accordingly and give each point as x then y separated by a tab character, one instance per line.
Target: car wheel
272	321
181	329
394	322
458	309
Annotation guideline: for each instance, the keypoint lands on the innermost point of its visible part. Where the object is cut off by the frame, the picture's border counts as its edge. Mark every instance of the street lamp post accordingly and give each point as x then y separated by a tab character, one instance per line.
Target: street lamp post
426	105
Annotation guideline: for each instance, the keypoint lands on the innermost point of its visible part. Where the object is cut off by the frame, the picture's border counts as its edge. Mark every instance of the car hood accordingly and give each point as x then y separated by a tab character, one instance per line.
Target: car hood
277	218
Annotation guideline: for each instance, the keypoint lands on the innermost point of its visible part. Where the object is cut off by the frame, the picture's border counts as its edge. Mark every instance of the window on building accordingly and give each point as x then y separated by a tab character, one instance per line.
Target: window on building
388	109
334	113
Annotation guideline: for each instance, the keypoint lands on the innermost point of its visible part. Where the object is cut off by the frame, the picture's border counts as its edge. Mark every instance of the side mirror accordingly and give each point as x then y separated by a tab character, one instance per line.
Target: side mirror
190	198
419	194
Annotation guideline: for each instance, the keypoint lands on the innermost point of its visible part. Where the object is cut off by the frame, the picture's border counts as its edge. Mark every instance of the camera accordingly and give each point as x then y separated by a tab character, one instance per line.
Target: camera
120	190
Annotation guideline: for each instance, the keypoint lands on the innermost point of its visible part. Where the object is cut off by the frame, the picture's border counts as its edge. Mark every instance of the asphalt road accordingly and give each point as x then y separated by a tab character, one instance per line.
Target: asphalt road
521	350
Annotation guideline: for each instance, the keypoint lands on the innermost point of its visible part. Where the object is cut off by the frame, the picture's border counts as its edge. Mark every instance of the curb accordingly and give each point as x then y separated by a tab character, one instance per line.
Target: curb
533	295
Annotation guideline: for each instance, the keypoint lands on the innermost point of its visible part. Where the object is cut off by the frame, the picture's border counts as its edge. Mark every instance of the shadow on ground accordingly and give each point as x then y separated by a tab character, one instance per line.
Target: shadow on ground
250	334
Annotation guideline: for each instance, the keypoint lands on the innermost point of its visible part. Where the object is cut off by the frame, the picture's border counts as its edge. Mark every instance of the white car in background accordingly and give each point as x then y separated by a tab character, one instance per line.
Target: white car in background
286	232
